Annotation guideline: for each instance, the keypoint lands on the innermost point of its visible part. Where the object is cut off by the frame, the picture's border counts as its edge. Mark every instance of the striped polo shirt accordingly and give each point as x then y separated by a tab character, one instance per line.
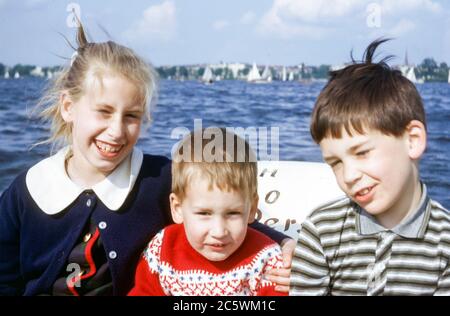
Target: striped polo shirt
342	250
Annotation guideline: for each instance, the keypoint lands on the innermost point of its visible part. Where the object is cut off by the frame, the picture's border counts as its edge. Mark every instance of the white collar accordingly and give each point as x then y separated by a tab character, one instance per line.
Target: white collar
53	191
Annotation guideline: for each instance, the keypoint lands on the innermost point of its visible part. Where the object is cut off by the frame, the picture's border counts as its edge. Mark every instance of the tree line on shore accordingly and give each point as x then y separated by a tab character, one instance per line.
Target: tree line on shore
428	69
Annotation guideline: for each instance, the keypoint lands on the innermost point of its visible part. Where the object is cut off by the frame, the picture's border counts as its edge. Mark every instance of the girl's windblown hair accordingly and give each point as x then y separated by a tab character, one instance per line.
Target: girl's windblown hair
91	61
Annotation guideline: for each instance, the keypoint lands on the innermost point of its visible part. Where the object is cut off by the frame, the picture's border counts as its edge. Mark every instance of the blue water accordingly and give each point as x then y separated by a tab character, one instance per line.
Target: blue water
286	105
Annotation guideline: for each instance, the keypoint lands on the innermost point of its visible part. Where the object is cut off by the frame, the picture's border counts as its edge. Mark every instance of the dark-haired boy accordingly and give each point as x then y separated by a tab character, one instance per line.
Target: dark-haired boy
387	237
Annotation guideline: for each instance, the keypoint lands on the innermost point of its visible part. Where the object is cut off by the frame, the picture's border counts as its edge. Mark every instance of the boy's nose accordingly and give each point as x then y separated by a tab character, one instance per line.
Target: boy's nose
351	173
218	230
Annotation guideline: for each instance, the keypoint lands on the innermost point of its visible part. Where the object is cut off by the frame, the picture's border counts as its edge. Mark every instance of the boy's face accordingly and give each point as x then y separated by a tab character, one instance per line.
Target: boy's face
376	171
215	221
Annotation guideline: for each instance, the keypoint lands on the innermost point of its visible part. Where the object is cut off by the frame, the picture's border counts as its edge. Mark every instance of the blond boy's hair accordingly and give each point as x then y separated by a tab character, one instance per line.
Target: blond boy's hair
234	170
94	60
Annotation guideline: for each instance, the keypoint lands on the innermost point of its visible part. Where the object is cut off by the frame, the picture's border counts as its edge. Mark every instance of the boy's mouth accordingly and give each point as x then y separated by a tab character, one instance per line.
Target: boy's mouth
107	149
364	195
217	246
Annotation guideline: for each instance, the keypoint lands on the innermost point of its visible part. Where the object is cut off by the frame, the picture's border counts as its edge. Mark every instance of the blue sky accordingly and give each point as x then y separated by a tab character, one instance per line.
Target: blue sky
283	32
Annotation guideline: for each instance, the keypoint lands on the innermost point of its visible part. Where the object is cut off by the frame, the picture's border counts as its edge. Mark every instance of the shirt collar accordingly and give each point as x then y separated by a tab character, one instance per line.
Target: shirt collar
53	191
412	227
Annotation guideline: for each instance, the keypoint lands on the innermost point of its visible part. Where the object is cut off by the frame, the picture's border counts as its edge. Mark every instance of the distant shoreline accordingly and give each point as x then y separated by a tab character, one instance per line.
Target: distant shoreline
427	71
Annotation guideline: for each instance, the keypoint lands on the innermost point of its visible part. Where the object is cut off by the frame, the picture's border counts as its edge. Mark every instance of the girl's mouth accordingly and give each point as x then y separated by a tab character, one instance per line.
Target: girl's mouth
108	150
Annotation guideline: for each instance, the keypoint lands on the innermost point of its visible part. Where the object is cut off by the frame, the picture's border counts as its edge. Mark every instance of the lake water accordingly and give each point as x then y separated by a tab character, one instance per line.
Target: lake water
286	105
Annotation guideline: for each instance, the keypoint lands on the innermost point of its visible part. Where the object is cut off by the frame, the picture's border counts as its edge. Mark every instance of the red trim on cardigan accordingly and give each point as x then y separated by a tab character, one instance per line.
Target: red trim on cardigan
90	261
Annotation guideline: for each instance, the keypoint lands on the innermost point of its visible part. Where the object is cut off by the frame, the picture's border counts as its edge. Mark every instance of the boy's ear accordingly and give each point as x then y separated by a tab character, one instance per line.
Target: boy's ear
253	209
417	139
175	208
66	104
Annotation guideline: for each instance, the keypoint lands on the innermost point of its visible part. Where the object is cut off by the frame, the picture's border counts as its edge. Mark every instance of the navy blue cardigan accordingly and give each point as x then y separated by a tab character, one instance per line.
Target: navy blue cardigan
34	246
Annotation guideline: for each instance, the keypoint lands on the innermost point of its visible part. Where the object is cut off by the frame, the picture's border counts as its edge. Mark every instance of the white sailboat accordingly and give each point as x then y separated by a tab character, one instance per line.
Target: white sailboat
411	75
291	76
266	75
208	76
6	74
283	74
49	74
16	75
408	71
253	75
37	72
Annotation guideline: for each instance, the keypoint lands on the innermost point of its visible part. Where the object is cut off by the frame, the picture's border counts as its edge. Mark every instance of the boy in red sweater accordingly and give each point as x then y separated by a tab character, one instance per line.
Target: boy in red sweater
210	250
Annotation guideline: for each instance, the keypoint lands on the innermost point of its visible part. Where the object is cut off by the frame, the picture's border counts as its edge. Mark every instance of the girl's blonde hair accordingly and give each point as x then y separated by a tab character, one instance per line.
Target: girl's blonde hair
94	59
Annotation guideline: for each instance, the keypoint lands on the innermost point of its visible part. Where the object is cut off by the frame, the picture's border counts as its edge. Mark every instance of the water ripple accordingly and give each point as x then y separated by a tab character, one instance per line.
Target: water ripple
286	106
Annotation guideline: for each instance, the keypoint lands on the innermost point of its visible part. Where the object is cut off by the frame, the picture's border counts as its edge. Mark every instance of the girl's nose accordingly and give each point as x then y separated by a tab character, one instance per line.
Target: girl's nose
116	128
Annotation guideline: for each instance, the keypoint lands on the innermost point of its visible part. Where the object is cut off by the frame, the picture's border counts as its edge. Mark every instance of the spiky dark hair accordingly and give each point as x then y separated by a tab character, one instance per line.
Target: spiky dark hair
363	95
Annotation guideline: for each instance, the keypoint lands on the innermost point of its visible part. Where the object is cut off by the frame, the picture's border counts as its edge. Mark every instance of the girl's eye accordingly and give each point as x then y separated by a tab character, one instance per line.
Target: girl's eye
103	111
134	116
202	213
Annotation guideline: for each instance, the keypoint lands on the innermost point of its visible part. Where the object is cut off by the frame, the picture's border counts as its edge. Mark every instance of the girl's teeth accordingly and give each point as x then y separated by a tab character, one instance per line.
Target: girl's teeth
108	148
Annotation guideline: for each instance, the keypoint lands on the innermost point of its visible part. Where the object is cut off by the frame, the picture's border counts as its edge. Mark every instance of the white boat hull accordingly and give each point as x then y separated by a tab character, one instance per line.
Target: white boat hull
290	190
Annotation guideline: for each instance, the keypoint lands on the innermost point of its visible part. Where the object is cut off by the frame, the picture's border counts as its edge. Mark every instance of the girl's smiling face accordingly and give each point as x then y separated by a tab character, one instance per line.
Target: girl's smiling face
106	122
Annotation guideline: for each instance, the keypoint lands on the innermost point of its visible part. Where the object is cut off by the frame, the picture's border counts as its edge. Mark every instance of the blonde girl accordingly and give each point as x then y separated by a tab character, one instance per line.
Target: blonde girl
76	222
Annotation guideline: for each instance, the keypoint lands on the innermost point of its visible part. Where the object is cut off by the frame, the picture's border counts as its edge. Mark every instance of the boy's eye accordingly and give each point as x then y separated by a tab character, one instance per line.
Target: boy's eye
234	213
334	164
202	213
103	111
362	153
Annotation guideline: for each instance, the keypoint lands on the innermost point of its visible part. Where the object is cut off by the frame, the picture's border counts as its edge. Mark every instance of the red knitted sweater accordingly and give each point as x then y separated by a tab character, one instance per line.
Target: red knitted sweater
170	266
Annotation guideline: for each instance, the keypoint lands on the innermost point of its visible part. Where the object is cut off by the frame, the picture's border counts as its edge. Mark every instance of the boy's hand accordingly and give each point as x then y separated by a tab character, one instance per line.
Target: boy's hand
282	276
